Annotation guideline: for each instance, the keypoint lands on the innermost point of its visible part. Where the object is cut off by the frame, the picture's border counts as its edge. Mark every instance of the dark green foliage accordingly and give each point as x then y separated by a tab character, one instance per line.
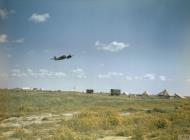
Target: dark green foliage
162	123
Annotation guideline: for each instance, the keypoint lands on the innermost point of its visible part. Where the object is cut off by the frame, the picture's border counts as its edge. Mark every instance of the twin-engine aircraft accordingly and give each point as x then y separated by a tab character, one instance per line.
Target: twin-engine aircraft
62	57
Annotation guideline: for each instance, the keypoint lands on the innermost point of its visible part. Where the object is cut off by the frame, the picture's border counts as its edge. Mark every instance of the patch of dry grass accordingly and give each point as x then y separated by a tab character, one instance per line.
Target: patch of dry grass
98	116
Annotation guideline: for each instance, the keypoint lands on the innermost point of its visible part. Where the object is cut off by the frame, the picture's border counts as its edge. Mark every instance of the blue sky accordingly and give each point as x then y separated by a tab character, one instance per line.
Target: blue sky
134	45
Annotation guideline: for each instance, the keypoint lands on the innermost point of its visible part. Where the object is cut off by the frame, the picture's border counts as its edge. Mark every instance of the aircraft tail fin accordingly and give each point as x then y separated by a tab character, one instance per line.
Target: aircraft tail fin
54	58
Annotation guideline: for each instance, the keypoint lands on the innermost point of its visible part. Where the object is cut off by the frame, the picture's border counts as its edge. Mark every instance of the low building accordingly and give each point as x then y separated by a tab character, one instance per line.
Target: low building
89	91
115	92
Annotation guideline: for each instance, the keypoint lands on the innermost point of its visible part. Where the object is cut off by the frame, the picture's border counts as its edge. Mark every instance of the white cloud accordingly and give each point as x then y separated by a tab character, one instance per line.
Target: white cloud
20	40
18	73
102	64
15	70
109	75
3	38
79	73
162	78
47	73
39	18
9	56
42	73
116	73
111	47
4	75
129	78
188	80
149	76
60	74
4	13
29	70
103	76
138	78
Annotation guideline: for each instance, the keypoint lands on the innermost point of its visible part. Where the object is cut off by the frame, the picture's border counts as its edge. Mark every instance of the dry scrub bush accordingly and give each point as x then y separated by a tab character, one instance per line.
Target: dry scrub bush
162	123
90	121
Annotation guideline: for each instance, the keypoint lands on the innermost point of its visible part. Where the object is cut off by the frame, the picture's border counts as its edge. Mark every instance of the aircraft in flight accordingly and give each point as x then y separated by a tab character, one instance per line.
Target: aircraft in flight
62	57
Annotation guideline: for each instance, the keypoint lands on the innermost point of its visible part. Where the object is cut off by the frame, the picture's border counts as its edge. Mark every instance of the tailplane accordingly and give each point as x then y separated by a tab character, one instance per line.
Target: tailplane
54	58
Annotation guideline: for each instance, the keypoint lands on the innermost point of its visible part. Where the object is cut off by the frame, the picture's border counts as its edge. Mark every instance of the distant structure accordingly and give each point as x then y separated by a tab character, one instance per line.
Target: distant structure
125	93
89	91
145	93
164	94
26	88
131	95
178	96
35	89
30	89
115	92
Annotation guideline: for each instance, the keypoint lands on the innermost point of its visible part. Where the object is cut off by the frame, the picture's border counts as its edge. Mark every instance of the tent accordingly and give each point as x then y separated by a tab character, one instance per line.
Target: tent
179	96
164	93
145	93
125	93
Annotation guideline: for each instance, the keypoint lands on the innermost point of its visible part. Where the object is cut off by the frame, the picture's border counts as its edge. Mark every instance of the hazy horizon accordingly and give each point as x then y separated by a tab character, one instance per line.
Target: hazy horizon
132	45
